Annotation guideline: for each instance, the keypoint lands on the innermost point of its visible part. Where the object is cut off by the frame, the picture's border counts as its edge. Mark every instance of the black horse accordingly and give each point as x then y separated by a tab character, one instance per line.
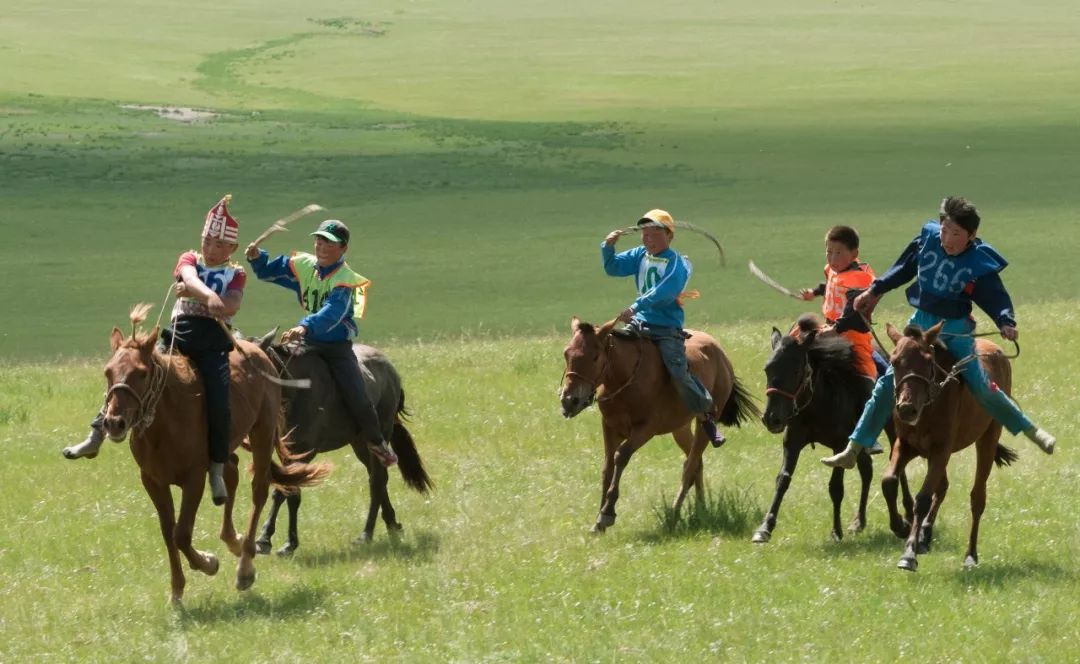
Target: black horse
319	422
815	395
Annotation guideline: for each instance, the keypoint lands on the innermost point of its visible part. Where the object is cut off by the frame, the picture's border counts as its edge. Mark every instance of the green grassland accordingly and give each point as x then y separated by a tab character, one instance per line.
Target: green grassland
480	151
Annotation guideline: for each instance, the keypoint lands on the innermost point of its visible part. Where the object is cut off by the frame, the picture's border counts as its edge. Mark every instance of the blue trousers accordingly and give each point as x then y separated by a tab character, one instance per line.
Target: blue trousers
878	409
672	346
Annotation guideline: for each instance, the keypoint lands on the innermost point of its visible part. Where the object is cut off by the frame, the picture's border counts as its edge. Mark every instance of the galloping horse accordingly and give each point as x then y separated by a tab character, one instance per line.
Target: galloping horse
158	398
318	421
638	401
934	420
815	395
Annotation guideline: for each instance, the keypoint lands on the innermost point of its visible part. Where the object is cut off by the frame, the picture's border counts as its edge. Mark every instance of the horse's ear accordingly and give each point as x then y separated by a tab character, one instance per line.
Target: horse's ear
575	323
151	339
267	340
116	338
893	333
932	334
776	338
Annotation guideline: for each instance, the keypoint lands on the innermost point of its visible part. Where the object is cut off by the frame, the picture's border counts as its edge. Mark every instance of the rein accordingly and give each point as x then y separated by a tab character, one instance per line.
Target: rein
600	378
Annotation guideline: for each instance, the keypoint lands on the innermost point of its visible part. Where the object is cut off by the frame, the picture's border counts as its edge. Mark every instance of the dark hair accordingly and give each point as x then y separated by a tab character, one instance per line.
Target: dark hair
845	235
961	211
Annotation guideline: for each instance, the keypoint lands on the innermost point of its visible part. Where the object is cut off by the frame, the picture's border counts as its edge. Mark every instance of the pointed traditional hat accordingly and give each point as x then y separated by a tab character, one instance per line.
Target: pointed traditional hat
220	224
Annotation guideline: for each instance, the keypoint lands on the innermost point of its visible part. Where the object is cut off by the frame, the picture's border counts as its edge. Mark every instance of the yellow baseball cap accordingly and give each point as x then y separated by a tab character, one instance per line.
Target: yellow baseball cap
657	219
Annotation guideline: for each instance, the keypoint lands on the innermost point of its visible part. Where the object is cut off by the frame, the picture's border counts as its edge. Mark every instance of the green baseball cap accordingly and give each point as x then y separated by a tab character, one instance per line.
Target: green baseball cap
333	230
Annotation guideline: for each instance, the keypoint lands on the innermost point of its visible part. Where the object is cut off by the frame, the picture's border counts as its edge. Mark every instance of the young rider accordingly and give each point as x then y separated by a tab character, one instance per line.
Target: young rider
952	269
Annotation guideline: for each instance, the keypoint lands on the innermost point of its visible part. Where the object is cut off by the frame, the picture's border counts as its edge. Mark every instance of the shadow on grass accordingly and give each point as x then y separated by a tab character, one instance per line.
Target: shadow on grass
295	602
727	511
997	574
421	547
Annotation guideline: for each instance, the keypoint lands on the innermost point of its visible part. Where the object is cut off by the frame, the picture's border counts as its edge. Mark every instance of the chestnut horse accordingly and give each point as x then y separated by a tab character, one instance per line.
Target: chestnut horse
157	397
935	417
637	400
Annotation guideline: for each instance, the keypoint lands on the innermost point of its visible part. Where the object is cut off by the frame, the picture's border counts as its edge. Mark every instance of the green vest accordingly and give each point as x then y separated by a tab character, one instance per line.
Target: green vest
314	291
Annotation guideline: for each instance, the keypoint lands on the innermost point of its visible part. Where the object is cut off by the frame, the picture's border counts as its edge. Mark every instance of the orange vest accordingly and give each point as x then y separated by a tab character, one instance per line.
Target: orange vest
837	285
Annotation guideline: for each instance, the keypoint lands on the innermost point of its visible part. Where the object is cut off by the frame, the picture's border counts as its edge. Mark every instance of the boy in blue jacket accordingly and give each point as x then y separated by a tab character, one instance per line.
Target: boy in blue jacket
660	275
952	269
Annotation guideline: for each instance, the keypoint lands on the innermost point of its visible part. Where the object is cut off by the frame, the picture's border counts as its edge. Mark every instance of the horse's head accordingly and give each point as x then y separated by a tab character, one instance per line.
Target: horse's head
128	375
915	369
788	378
585	358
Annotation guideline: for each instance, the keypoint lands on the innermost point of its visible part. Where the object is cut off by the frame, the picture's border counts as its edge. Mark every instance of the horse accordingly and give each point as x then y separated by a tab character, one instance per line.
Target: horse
814	394
157	397
935	420
637	401
318	421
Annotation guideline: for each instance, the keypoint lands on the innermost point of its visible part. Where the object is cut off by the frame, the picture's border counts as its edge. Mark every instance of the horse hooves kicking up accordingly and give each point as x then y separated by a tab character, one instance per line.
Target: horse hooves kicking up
286	551
243	582
761	537
909	564
262	547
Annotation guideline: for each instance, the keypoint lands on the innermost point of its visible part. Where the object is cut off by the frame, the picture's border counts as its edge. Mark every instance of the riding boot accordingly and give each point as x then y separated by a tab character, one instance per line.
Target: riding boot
711	432
219	493
876	448
1043	439
845	459
89	447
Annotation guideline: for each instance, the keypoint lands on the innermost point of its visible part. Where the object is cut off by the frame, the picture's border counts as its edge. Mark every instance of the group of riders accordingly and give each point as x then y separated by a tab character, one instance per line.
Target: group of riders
949	268
209	290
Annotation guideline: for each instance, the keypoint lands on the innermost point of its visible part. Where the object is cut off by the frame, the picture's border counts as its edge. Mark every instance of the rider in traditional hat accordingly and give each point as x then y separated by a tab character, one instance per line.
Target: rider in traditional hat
660	275
334	298
209	289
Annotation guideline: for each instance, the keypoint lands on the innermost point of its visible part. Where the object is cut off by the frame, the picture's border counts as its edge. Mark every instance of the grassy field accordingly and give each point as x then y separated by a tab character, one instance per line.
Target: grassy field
480	151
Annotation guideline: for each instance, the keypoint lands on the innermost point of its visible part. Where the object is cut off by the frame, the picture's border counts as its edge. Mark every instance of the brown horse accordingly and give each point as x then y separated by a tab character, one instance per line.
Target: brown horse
937	416
157	398
638	401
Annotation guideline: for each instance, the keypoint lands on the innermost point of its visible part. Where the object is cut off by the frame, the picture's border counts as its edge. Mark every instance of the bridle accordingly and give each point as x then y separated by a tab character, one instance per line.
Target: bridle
148	400
595	384
807	383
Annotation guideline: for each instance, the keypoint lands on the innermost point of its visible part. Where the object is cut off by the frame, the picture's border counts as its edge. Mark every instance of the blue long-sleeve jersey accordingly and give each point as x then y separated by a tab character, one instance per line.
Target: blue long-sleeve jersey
946	286
333	321
659	280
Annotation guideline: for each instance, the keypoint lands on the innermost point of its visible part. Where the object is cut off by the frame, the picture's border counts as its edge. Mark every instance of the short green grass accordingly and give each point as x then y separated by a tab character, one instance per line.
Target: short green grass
480	151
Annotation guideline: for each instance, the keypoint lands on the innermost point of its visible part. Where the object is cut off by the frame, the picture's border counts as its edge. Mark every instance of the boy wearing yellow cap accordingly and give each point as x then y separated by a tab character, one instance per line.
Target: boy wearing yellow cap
209	290
660	275
333	295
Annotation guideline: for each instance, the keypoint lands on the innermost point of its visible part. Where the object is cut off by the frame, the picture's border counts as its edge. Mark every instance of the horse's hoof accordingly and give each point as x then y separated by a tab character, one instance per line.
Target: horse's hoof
262	547
212	564
971	562
605	520
909	564
761	537
394	527
902	530
857	526
923	548
286	551
597	529
245	581
69	453
837	536
364	538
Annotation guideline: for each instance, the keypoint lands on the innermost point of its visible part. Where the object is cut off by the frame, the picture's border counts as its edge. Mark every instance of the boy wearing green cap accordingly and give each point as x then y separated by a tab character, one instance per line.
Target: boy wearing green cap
334	296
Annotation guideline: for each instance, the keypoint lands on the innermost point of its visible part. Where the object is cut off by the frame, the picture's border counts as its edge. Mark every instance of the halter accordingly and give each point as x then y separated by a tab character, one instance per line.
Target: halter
150	397
595	384
807	382
933	387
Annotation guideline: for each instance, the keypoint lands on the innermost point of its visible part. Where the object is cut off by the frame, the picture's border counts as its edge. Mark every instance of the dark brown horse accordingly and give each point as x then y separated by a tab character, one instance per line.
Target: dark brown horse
638	401
157	397
935	417
815	395
318	421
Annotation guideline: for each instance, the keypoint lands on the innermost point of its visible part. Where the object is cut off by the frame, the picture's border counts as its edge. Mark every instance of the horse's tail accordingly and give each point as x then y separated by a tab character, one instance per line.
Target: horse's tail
409	462
740	406
294	474
1004	456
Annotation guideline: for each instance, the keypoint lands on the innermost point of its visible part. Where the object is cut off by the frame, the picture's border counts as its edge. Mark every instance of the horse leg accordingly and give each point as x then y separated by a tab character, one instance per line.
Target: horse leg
266	536
621	459
191	493
262	438
935	471
163	503
792	450
895	476
611	442
228	531
692	468
836	493
926	533
866	474
987	446
292	541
